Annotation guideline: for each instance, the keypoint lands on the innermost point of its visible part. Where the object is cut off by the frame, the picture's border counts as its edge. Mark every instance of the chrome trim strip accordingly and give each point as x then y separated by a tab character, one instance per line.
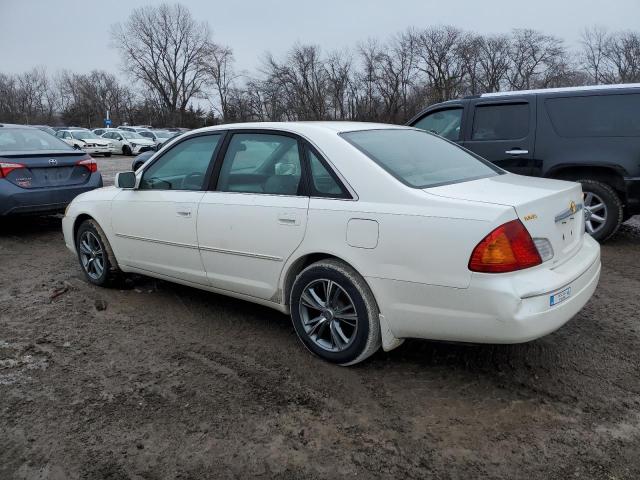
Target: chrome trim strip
153	240
568	213
242	254
206	249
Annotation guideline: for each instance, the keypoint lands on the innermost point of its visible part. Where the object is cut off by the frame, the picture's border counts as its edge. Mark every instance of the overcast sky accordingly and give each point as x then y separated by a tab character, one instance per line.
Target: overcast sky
74	34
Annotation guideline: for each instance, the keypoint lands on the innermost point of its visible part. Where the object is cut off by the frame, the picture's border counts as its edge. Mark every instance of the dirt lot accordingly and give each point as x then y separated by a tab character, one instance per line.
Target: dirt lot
164	381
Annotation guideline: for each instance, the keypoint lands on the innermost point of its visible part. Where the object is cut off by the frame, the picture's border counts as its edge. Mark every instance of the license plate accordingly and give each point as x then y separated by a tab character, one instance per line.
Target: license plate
559	297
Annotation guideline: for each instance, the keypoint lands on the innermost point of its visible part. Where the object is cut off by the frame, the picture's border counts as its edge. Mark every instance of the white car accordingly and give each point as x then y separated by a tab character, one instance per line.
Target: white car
87	141
128	143
365	234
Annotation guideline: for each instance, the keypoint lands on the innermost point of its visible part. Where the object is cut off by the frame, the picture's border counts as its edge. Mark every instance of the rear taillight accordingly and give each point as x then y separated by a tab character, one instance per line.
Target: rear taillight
89	163
508	248
6	168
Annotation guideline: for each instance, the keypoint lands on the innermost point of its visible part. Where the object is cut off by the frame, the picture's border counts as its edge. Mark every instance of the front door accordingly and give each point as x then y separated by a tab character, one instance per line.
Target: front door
503	132
155	224
256	216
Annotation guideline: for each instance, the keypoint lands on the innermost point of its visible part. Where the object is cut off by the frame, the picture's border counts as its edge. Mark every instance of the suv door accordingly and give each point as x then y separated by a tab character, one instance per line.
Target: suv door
155	224
257	215
503	132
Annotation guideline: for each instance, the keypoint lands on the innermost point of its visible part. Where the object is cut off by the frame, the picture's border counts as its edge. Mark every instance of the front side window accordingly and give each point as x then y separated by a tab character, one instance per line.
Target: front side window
261	163
445	123
419	159
184	167
501	122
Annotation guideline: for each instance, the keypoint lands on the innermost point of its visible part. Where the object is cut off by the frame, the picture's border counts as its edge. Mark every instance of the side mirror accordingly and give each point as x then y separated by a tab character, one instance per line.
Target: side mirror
126	180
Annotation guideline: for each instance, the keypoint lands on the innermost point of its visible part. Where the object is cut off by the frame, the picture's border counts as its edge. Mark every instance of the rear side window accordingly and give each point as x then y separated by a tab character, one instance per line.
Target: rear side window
595	116
445	123
501	122
419	159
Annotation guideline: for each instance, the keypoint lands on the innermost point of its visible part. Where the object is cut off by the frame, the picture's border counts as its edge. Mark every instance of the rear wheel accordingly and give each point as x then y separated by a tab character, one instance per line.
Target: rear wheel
334	313
95	255
604	211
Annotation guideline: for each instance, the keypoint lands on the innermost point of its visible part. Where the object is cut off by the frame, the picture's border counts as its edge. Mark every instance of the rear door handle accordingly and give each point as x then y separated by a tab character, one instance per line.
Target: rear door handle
286	219
516	151
184	212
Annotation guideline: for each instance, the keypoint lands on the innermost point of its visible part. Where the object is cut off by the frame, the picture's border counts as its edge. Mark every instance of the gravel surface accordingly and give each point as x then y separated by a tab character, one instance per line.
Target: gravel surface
158	380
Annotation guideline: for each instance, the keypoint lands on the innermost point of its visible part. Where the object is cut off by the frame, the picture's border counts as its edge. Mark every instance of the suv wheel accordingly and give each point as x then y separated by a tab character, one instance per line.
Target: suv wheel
604	209
334	313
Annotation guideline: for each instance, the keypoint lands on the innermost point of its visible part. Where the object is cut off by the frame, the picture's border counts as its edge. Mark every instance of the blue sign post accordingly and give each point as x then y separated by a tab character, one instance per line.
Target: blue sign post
107	122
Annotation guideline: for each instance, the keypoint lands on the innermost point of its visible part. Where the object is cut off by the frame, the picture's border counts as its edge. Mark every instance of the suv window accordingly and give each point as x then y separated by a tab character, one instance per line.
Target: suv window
323	182
445	123
501	122
184	167
261	163
595	116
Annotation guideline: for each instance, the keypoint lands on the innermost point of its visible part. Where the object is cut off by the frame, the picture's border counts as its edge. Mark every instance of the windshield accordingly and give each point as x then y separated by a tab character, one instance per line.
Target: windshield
23	139
82	135
162	134
127	134
419	159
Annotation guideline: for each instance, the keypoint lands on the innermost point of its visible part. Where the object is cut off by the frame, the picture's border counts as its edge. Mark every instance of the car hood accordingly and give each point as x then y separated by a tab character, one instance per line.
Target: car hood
551	209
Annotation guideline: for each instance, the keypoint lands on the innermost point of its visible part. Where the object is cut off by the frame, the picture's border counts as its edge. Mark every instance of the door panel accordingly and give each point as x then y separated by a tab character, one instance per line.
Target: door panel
246	238
504	133
156	231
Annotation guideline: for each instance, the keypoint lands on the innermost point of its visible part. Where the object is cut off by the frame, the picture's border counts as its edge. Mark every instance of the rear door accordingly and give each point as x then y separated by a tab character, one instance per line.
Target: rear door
503	132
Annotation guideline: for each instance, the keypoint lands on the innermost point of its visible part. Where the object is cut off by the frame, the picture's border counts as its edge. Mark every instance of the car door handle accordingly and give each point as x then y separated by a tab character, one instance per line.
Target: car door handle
516	151
288	220
183	213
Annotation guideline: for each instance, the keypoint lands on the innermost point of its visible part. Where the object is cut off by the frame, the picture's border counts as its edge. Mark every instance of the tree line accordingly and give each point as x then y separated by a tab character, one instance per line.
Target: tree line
181	77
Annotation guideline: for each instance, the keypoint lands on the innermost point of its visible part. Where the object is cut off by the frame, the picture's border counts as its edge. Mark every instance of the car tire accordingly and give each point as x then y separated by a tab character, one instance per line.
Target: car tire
608	207
97	261
347	328
126	150
107	155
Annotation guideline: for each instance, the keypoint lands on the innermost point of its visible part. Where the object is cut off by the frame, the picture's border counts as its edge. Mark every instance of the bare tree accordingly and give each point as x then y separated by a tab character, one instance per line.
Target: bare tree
533	57
622	52
594	42
222	76
167	50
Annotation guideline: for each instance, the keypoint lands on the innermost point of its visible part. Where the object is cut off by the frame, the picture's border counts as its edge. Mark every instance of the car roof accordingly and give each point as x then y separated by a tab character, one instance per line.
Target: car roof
559	90
304	127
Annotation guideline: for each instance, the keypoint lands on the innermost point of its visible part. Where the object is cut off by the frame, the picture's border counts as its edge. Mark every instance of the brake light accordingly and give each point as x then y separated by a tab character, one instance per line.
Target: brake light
6	168
89	163
508	248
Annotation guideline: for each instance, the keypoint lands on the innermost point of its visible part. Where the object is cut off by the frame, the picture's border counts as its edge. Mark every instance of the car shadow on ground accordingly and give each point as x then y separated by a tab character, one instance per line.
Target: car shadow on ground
29	225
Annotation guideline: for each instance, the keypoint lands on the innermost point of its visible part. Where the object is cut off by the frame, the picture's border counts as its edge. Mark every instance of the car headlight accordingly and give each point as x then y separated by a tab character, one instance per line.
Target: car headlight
134	145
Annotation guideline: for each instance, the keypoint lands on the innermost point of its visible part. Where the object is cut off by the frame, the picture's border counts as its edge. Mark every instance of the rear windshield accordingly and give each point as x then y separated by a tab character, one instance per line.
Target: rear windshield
28	140
595	116
420	159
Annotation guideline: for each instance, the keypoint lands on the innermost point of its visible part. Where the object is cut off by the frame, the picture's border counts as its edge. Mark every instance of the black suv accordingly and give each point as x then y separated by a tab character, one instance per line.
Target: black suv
587	134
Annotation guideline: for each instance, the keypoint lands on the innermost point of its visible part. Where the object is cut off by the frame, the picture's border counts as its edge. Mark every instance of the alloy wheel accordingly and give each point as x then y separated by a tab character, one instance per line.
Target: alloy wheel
596	216
91	255
328	315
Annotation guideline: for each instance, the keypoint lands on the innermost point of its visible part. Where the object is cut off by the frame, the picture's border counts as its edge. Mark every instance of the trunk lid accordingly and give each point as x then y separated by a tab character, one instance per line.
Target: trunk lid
47	169
551	209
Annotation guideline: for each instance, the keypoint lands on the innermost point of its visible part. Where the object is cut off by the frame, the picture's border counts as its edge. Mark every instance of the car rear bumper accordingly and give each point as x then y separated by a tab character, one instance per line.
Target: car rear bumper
21	201
499	308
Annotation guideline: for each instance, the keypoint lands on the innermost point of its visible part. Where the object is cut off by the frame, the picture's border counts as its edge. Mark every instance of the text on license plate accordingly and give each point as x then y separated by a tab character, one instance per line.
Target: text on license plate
559	297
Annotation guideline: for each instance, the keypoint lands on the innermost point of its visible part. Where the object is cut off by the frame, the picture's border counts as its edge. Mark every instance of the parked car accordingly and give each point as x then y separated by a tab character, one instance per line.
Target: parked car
101	131
141	159
365	233
160	137
88	141
128	143
40	173
586	134
133	129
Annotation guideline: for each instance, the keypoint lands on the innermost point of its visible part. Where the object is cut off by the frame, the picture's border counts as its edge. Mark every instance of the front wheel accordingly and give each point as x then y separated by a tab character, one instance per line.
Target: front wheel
334	313
95	255
604	211
126	150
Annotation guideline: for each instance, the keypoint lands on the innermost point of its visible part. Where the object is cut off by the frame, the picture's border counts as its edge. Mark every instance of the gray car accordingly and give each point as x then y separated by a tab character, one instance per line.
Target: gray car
40	173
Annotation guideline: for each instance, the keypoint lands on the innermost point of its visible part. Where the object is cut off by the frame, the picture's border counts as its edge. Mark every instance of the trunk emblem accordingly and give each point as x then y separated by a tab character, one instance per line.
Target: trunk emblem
53	162
572	210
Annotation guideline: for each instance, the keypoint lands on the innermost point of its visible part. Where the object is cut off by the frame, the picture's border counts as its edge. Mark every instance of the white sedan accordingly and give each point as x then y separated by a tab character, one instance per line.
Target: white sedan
87	141
128	143
365	234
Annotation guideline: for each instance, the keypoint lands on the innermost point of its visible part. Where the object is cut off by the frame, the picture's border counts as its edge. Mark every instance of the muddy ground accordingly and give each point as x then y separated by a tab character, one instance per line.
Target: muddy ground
164	381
